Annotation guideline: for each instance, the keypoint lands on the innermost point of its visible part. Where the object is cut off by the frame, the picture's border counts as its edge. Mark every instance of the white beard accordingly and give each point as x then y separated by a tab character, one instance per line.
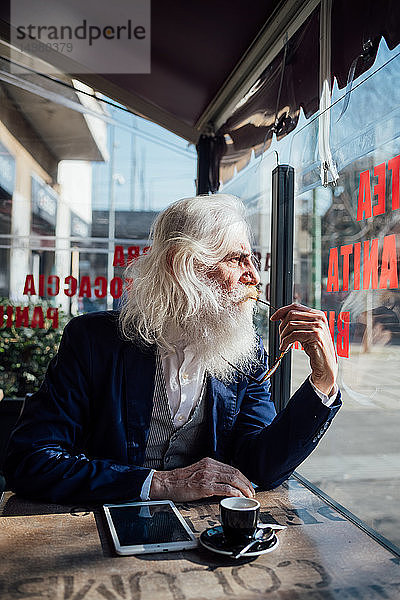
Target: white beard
226	334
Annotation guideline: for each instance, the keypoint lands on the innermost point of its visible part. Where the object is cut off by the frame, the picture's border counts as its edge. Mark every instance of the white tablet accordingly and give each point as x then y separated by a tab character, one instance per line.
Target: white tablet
143	527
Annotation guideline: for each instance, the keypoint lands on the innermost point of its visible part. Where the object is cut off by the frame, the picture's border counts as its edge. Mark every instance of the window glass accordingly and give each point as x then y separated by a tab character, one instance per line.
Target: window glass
81	182
346	255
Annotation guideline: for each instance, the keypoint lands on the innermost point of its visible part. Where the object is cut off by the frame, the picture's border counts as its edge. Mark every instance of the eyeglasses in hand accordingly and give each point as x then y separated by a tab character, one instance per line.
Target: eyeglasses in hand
271	370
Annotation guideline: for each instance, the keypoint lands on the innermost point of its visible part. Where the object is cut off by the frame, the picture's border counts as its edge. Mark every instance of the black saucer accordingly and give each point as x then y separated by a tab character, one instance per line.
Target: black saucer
213	539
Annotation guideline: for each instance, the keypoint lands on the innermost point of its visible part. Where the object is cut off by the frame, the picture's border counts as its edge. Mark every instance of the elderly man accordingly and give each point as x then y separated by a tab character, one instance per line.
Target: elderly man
162	399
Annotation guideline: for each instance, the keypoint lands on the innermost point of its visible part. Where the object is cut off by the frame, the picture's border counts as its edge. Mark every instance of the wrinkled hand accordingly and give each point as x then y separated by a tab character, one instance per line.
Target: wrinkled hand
207	477
310	327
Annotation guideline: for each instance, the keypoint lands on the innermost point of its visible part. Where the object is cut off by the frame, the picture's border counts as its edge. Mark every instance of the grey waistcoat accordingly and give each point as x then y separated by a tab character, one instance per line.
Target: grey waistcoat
169	447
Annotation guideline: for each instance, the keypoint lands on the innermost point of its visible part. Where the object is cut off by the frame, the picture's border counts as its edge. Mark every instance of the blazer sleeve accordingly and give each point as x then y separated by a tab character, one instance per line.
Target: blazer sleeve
46	458
278	443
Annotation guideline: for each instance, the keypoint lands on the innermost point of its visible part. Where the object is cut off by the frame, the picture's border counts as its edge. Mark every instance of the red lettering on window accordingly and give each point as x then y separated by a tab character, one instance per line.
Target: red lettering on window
331	323
133	253
116	287
345	251
119	257
9	313
21	316
394	166
357	263
364	208
389	264
29	287
41	285
380	189
52	315
333	271
342	339
72	283
370	264
102	283
54	285
84	288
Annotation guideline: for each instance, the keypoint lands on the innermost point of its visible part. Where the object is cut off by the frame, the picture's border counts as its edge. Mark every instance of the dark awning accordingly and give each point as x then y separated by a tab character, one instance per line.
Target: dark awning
203	51
194	48
291	81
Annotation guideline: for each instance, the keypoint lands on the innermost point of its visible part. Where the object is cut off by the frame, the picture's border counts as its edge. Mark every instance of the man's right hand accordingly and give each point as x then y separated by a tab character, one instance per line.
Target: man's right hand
207	477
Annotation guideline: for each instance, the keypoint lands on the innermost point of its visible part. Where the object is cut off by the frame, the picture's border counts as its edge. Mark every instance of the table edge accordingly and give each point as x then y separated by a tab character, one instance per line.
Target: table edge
377	537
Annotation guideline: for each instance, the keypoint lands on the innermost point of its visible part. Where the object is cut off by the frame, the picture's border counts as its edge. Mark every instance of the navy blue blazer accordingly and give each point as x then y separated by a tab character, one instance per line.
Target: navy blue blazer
82	437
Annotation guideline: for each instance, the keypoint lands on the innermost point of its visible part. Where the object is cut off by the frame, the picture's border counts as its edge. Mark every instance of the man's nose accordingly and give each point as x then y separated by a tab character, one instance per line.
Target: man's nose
250	275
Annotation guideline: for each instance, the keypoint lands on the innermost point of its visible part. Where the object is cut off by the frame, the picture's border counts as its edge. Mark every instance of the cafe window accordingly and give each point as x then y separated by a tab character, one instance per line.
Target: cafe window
346	253
81	181
346	263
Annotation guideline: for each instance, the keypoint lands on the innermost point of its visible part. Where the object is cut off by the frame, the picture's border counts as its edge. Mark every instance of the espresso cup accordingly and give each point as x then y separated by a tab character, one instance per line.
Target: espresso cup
239	519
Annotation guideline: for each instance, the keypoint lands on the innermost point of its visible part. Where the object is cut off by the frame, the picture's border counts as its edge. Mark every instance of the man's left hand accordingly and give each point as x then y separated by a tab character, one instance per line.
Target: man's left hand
310	327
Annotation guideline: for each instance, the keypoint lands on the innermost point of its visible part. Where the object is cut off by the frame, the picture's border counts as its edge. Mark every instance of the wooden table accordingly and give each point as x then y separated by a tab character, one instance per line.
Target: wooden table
63	553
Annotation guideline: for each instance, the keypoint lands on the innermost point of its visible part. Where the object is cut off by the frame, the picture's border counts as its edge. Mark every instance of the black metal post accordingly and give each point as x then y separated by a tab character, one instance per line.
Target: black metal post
281	285
210	149
203	164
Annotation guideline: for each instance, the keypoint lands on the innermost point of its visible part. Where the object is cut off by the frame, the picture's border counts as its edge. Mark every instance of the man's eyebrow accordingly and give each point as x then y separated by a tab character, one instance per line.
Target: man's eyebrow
237	253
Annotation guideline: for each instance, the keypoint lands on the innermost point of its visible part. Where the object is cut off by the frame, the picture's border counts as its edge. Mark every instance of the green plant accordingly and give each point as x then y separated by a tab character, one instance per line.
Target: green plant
25	353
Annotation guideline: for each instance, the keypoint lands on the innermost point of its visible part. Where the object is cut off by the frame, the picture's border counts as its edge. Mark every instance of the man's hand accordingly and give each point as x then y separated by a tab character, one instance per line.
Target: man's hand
207	477
310	327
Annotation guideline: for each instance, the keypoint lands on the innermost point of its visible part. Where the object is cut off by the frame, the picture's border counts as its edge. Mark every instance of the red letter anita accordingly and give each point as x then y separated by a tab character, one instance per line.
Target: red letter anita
370	264
345	251
389	263
364	208
333	271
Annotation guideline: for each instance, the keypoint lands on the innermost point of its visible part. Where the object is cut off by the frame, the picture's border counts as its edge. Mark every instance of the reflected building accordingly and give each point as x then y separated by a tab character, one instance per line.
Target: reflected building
46	151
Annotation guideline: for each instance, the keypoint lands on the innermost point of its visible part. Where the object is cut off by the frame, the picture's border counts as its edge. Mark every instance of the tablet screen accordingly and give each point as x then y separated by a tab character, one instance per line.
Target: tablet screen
149	524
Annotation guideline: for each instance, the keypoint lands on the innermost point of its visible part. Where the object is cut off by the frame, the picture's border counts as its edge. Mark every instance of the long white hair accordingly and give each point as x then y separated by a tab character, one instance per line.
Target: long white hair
169	285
